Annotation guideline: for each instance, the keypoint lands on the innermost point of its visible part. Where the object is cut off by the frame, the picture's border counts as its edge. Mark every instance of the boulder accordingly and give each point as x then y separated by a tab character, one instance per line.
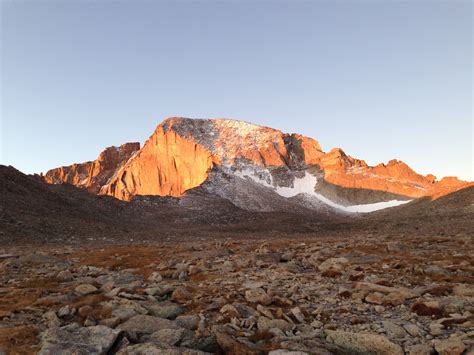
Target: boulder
364	343
145	324
258	295
449	347
333	264
77	340
85	289
264	324
164	309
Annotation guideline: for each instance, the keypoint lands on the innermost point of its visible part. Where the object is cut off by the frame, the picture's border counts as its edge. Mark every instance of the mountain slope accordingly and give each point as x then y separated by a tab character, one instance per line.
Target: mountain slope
32	211
255	167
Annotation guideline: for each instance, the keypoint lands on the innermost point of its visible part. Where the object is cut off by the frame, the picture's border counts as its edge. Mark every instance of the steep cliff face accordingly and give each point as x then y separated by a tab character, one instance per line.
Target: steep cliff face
230	155
92	175
395	177
234	142
181	151
167	165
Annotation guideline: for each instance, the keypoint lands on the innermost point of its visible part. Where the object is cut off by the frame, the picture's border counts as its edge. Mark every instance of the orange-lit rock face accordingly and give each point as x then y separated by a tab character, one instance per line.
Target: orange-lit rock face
181	151
168	165
231	141
93	175
178	156
395	176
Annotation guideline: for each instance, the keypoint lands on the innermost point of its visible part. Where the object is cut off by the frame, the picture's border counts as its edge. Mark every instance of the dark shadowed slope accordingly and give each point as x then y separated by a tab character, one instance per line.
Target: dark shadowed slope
34	211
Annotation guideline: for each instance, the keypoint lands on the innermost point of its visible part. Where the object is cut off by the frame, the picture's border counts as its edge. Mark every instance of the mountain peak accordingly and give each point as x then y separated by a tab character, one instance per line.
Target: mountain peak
223	154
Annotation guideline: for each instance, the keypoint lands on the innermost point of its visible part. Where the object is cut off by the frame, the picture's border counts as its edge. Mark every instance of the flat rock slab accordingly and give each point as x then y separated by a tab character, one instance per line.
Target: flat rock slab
364	343
143	324
154	349
164	309
36	259
78	340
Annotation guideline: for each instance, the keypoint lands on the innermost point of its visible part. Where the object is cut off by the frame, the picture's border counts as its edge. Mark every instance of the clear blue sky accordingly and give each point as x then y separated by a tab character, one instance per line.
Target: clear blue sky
380	79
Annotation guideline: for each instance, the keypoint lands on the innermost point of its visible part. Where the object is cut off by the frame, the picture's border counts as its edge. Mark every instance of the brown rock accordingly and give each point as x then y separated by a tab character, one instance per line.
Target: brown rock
420	349
94	174
364	343
375	298
449	347
85	289
264	324
428	308
143	324
258	295
179	154
232	346
181	295
333	264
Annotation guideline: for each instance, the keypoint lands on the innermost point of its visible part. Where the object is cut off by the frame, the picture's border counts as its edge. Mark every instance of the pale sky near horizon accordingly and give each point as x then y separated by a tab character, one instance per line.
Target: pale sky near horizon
380	79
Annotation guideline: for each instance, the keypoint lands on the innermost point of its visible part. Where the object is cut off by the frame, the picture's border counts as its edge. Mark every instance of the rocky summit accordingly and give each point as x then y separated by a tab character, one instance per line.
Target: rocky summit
240	161
223	237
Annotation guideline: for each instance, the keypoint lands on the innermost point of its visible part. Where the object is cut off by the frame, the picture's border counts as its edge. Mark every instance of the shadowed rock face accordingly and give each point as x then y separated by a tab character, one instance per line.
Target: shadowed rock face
181	153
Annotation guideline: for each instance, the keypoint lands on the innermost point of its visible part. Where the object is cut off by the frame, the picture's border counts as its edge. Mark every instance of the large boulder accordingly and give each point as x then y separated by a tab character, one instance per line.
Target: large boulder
73	339
364	343
144	324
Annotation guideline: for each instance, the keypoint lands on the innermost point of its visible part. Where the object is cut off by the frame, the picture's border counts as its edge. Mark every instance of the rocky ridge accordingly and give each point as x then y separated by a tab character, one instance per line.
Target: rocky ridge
92	175
183	153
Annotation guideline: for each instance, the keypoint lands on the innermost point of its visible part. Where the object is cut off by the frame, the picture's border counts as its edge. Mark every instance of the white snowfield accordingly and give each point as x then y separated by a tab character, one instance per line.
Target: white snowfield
306	184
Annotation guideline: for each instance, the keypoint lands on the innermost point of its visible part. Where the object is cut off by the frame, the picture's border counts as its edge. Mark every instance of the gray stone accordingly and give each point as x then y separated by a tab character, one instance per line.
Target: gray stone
51	319
66	311
188	322
364	343
464	290
420	349
147	349
164	309
435	270
298	314
393	330
449	346
64	276
263	324
334	264
258	295
85	289
123	314
144	324
154	349
72	340
168	337
413	330
265	311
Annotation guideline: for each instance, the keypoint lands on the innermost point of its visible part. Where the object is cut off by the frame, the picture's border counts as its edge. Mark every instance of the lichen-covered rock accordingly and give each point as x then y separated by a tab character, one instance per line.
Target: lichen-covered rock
77	340
258	295
164	309
145	324
364	343
449	347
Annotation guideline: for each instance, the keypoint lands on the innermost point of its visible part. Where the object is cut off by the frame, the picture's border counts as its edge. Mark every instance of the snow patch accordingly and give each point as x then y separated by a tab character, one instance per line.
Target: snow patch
305	185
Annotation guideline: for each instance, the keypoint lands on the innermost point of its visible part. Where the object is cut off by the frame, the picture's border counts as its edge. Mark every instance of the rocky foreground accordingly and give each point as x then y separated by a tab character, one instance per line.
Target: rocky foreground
317	296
